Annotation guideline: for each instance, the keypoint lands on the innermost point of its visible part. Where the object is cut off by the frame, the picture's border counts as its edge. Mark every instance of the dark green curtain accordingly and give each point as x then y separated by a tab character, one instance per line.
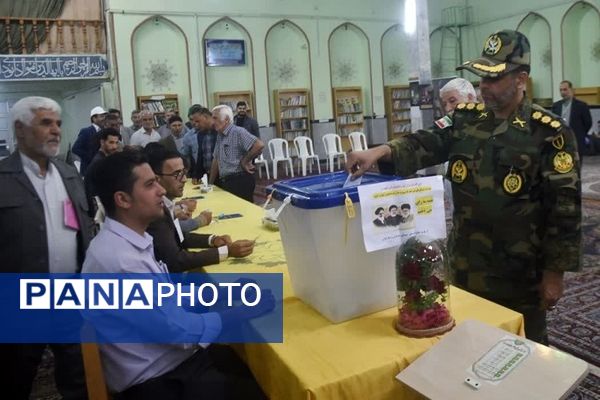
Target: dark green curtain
26	9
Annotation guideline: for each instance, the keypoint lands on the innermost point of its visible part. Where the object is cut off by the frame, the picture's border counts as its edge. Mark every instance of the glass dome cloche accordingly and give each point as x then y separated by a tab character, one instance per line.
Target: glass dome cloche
423	288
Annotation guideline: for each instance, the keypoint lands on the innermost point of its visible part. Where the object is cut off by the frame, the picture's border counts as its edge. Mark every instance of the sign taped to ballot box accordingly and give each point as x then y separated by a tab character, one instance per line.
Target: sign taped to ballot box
394	211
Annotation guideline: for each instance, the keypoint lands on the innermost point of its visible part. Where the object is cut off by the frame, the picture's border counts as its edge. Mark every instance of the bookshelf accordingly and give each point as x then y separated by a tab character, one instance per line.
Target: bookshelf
397	109
348	109
231	99
158	104
292	113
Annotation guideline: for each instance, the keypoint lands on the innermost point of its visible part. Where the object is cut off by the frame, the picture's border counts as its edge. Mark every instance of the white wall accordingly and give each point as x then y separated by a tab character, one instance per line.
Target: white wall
316	18
491	15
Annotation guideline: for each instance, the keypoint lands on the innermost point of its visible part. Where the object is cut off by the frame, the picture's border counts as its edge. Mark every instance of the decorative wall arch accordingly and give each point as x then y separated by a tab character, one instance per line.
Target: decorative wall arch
444	59
288	64
580	39
351	69
163	73
537	30
394	69
227	79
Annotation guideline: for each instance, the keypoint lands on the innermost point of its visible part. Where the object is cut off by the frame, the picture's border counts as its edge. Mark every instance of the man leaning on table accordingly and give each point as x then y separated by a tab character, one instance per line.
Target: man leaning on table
234	152
515	176
133	198
171	244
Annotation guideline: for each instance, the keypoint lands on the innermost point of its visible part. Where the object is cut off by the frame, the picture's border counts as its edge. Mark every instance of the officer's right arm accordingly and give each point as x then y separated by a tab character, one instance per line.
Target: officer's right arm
409	152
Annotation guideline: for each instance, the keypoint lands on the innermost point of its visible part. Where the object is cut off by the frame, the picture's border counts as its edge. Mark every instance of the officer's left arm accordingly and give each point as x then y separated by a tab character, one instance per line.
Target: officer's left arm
561	175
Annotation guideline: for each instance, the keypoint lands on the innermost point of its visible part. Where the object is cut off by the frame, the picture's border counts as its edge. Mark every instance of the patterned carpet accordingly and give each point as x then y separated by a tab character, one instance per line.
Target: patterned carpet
590	177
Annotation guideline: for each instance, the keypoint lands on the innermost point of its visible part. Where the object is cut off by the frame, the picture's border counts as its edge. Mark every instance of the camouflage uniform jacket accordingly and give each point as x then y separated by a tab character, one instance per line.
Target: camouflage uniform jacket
517	195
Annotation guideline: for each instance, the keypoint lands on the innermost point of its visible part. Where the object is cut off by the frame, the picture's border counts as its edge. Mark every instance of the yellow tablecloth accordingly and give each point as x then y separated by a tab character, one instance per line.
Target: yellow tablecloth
357	359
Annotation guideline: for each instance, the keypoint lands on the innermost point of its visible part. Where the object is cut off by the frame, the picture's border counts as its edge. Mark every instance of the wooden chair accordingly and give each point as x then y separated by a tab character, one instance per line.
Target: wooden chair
94	375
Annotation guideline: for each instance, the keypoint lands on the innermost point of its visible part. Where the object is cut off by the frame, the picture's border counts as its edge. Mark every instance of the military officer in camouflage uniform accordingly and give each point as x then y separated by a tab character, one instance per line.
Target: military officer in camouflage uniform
515	176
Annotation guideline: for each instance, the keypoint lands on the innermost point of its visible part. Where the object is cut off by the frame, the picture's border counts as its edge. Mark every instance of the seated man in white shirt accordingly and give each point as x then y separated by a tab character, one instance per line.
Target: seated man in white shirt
133	198
171	243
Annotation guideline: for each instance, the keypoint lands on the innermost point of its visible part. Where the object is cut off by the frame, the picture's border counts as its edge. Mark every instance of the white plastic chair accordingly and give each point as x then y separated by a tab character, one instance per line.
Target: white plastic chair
305	151
333	149
358	141
279	151
260	162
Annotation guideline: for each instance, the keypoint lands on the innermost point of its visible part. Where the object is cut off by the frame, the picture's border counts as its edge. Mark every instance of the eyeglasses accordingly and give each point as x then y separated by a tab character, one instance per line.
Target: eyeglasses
179	175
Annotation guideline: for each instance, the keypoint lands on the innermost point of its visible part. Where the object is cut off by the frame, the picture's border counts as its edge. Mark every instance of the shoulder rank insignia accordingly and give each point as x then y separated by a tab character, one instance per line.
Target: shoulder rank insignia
480	107
558	142
443	122
519	121
461	106
459	171
470	106
512	183
563	162
547	119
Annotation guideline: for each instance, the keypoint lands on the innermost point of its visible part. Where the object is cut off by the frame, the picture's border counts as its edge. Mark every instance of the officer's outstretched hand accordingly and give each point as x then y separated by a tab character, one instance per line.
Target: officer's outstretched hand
360	162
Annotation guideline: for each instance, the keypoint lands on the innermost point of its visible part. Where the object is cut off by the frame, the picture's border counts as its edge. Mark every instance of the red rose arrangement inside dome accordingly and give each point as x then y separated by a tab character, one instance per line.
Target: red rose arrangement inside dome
423	292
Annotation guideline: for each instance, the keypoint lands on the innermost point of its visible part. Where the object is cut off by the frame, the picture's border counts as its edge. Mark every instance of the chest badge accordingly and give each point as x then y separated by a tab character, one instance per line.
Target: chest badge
459	171
563	162
512	182
559	142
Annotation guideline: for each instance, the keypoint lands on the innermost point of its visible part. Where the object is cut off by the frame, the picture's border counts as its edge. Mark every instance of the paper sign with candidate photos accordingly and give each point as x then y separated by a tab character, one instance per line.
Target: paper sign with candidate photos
392	212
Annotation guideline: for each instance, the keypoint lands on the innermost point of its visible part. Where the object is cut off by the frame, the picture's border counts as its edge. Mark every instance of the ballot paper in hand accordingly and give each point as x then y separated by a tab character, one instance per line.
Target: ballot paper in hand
351	183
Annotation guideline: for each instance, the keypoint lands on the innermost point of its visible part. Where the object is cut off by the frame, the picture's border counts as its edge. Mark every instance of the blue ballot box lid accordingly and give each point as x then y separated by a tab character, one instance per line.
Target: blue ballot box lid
322	191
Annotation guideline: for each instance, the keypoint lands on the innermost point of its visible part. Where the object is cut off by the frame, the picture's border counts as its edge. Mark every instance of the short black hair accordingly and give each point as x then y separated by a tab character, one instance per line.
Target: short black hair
379	209
106	132
111	117
114	111
194	109
157	154
405	206
174	118
202	111
115	174
569	83
392	206
241	103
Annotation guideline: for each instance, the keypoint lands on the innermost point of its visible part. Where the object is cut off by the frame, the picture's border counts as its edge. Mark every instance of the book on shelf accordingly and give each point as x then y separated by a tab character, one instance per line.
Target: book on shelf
299	100
154	106
400	93
404	104
294	113
348	104
401	128
396	115
294	124
350	119
291	135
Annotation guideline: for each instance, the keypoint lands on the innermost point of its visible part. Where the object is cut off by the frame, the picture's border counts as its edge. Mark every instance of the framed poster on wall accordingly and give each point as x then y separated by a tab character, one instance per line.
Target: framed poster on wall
224	52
